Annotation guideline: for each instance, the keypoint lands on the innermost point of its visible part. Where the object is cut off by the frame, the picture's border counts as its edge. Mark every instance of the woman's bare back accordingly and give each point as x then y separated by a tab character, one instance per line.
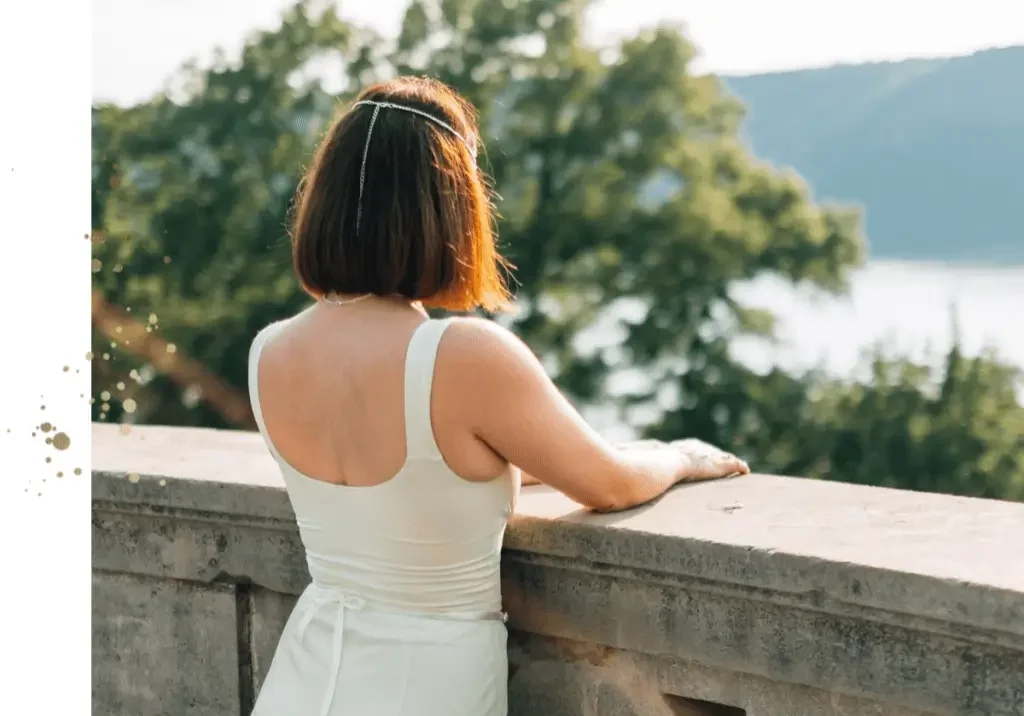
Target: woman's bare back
331	384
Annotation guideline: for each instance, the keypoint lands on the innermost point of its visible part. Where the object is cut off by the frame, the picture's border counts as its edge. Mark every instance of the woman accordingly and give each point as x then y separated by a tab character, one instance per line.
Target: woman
401	438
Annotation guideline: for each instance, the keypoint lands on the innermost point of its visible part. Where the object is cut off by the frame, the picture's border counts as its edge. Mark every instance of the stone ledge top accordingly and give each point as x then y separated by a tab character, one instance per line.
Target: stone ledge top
934	556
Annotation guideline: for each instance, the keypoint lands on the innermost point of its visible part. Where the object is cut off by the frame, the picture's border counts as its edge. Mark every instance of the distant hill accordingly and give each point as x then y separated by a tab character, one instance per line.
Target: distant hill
932	149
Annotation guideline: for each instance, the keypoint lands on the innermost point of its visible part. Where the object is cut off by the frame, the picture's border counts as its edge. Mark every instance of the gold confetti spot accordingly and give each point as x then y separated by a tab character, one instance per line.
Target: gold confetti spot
120	385
106	356
67	368
105	395
118	329
163	483
46	427
61	441
152	318
149	329
78	471
88	356
118	268
171	348
105	407
167	259
97	265
49	459
113	344
103	416
128	309
129	406
92	400
125	428
60	474
133	477
134	374
49	440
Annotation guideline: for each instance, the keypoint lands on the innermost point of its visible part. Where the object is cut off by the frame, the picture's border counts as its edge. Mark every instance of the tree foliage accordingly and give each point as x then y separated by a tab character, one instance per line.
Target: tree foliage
626	199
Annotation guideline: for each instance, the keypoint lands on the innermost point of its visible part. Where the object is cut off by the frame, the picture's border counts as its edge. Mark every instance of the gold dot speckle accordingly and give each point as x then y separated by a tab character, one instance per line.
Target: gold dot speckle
152	318
105	407
133	477
130	406
120	385
49	441
118	329
97	265
88	356
61	441
49	459
67	368
78	471
106	356
125	428
171	348
105	395
167	259
92	400
118	268
163	483
60	474
46	427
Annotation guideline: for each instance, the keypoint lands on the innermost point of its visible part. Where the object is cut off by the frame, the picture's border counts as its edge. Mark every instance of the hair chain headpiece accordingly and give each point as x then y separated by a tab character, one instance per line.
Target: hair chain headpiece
377	106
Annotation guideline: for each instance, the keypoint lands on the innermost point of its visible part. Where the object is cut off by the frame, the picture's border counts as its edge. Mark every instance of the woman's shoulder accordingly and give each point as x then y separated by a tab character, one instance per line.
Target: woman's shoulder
480	356
472	338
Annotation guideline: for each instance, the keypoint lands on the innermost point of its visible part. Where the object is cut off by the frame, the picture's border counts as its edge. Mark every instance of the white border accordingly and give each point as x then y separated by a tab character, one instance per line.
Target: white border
45	86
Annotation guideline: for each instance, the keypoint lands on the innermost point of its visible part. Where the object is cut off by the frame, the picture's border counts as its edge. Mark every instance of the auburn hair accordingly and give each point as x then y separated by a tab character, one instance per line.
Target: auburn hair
426	222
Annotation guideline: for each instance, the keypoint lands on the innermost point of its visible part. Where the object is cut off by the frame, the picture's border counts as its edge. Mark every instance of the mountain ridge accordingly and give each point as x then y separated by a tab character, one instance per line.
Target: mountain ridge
931	148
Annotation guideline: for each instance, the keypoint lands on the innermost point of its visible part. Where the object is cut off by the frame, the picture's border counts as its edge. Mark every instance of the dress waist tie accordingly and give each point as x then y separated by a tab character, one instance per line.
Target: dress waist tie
320	597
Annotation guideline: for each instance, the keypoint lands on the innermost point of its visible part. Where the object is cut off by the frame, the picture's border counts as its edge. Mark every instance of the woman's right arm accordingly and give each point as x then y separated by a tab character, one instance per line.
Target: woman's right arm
517	411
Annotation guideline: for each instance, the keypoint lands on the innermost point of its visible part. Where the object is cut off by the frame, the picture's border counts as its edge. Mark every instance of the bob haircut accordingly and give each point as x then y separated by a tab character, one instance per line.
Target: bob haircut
425	231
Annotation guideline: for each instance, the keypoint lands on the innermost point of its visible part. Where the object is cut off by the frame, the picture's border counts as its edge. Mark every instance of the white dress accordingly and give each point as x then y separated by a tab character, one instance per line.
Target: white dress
403	616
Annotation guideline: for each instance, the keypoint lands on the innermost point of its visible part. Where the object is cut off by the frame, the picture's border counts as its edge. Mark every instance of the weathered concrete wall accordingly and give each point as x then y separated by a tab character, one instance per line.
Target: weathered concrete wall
764	596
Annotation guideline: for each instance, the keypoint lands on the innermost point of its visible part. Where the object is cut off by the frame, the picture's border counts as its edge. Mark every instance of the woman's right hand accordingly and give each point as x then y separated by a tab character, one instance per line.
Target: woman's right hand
698	460
703	461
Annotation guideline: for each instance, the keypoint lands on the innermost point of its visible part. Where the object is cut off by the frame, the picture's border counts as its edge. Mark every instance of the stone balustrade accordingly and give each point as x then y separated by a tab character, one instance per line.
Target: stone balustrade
766	596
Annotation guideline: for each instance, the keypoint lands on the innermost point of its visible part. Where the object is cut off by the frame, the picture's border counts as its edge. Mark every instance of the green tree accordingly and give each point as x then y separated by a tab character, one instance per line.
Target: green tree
957	430
626	199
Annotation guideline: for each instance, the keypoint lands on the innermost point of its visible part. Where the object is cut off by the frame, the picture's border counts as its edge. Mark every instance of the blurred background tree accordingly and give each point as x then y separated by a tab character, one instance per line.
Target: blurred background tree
627	202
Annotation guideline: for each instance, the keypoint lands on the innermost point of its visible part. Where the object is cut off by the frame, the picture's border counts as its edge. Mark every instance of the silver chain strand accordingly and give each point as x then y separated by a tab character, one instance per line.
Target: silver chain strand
420	112
369	133
362	169
345	302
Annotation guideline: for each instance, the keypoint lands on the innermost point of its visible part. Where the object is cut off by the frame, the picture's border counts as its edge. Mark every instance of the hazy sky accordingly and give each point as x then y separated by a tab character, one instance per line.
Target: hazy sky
138	43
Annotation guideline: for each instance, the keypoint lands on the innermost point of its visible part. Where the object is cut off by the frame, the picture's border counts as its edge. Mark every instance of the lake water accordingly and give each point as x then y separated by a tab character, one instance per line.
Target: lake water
907	307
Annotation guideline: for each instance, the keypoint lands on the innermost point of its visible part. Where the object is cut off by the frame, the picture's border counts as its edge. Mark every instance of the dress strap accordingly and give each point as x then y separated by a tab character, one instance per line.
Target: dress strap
419	378
255	351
